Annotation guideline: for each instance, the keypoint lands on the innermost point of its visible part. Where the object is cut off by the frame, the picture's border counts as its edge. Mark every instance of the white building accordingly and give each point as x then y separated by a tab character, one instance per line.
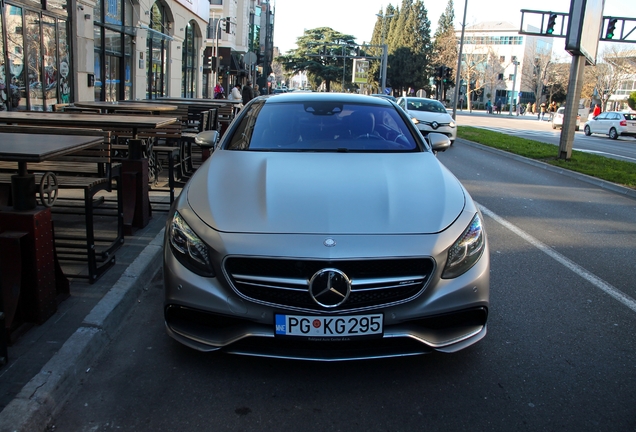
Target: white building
496	47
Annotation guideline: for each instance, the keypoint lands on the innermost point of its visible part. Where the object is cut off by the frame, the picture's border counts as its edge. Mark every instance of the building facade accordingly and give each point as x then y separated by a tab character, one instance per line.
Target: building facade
498	58
63	51
239	43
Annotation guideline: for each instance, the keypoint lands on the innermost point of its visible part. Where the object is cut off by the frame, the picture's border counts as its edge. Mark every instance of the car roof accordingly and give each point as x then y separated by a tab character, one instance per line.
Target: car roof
423	99
327	97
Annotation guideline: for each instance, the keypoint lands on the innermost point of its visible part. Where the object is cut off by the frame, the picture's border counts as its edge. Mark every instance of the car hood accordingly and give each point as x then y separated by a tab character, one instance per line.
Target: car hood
325	193
431	116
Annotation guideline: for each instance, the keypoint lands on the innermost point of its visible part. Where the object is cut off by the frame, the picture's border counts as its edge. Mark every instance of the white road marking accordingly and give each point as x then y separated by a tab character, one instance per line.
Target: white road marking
590	277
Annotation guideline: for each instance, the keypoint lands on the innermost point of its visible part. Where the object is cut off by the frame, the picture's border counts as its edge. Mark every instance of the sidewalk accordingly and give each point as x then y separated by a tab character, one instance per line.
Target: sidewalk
48	360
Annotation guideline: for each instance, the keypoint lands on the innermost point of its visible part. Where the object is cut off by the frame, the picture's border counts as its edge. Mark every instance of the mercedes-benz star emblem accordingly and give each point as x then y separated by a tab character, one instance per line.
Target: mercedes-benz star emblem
329	287
329	242
434	125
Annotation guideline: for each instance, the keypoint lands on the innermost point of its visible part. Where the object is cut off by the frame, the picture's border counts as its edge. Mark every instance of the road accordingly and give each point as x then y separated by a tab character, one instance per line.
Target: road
560	353
527	126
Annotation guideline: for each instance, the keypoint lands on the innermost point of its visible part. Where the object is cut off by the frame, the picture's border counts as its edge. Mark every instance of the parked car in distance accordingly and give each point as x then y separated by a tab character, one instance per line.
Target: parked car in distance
323	227
429	115
613	124
557	119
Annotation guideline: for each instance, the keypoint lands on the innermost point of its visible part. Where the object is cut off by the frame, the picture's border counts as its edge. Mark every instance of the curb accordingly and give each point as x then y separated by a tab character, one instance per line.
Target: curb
572	174
41	398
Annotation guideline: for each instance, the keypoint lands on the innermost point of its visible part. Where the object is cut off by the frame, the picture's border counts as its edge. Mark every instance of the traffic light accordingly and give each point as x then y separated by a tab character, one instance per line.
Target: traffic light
439	72
227	25
448	74
551	22
611	26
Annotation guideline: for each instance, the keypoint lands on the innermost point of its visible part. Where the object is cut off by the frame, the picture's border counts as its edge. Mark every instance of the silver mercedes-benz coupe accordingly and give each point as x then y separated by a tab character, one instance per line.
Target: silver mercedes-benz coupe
323	227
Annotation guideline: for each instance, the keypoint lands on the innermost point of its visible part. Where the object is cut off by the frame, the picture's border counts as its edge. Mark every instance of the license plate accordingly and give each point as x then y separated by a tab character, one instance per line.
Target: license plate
328	327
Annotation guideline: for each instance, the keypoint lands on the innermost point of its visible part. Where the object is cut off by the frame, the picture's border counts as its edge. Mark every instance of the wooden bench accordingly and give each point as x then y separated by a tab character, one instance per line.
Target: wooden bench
75	109
92	171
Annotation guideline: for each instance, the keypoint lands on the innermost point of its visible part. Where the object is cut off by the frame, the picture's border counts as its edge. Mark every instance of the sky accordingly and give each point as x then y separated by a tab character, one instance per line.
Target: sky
357	17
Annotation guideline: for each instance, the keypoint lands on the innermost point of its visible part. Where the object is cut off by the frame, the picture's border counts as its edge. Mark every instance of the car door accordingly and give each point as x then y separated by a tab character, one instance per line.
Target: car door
597	123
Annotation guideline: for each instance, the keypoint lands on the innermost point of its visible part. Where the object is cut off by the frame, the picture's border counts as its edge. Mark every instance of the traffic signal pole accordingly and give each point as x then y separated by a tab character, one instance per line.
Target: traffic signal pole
571	107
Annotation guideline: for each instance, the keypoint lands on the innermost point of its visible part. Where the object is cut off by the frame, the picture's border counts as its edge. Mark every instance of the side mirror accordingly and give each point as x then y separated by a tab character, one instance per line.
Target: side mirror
439	142
207	139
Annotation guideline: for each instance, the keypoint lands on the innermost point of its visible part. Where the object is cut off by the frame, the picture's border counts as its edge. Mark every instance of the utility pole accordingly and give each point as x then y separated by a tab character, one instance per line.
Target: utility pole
459	65
384	50
514	84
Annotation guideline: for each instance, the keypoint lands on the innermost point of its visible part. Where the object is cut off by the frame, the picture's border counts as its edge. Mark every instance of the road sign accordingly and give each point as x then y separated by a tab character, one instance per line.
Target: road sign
250	58
388	90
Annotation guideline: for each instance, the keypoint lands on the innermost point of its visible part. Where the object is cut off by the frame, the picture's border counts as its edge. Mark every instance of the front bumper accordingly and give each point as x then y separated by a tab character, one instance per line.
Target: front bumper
208	332
206	314
450	132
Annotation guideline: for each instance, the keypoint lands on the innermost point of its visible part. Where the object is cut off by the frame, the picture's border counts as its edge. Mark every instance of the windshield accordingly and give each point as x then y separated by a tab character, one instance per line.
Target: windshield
321	126
427	105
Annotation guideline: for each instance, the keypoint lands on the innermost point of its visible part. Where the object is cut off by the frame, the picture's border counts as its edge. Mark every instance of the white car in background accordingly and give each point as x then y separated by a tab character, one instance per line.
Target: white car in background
557	120
613	124
429	115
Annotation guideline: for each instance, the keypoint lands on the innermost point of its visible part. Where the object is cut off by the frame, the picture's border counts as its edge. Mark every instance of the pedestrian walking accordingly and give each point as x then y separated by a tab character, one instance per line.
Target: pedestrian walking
218	90
247	93
542	111
597	111
235	94
518	109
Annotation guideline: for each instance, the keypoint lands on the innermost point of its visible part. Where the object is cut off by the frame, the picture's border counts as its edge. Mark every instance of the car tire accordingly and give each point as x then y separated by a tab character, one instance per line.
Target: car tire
587	130
613	134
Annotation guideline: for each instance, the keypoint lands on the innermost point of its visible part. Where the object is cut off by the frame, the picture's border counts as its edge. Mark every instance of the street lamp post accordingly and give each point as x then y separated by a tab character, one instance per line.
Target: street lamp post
514	84
384	51
216	53
459	66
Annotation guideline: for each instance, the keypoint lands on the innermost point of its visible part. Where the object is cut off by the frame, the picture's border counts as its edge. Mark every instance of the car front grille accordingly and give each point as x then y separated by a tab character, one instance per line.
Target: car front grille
285	282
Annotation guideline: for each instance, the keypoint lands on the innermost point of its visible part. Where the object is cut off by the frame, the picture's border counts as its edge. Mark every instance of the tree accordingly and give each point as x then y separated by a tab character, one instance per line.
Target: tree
444	49
409	46
319	54
631	101
473	72
535	72
610	72
493	73
380	32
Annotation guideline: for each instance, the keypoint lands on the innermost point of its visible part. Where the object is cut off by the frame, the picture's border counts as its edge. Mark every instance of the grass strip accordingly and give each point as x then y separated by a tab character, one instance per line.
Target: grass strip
612	170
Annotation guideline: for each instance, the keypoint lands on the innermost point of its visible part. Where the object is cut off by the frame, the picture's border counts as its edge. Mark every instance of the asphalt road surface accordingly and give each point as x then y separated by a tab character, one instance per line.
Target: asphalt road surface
560	353
529	127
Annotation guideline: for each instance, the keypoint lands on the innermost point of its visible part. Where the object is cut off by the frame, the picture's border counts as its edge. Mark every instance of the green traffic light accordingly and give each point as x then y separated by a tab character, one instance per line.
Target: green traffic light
551	23
611	26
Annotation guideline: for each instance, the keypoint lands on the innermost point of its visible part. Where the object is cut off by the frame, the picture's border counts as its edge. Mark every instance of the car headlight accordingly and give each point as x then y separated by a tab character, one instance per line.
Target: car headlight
466	251
452	124
414	120
188	248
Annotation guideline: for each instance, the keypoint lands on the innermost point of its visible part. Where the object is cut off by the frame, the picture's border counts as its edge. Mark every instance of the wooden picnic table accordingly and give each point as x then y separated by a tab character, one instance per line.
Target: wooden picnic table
111	122
134	170
124	106
29	274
